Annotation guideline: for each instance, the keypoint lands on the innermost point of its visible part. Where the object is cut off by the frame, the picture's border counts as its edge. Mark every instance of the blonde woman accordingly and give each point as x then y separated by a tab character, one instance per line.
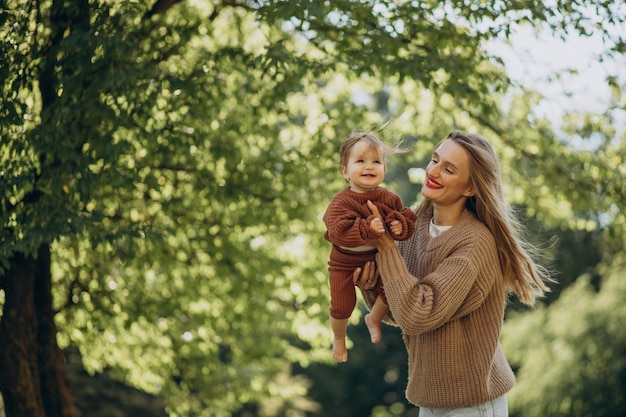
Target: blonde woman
447	286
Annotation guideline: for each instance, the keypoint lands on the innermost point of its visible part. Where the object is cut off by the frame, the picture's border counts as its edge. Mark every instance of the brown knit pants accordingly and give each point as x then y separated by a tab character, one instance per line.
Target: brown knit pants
342	293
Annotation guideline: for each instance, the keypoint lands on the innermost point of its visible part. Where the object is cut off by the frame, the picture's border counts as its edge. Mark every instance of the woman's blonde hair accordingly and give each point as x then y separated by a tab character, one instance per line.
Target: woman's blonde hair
526	278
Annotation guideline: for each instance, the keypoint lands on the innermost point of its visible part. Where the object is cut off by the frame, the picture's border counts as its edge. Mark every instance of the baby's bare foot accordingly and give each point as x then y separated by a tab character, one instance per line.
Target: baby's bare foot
376	332
340	352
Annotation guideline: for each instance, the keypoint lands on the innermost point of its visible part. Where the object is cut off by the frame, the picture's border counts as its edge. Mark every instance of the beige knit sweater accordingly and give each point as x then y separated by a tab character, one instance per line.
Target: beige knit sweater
449	298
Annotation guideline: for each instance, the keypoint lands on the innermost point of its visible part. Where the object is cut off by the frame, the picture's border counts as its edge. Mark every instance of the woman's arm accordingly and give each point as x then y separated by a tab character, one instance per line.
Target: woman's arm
419	305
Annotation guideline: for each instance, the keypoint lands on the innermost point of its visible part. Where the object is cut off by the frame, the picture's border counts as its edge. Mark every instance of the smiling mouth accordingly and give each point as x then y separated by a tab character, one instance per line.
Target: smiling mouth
430	183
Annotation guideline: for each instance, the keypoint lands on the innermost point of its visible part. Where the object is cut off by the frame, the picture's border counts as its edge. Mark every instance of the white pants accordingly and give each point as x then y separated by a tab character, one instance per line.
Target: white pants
496	408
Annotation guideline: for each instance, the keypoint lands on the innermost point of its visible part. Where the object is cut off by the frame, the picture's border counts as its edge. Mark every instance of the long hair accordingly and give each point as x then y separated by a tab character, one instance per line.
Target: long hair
522	274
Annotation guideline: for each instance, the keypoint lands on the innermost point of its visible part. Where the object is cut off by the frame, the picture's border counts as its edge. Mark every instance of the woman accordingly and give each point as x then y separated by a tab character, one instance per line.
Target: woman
447	286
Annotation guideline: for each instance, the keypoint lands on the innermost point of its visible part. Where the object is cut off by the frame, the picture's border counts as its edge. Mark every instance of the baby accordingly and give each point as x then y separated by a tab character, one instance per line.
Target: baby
350	226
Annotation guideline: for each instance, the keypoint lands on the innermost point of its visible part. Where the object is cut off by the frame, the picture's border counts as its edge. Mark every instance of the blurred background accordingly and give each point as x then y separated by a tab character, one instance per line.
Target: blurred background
165	166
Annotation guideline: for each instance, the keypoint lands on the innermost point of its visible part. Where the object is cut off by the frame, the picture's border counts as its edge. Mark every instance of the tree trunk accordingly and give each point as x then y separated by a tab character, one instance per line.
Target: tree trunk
55	388
18	341
34	381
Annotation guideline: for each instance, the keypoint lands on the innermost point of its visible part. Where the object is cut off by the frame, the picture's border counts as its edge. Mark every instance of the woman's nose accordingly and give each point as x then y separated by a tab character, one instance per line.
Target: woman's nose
432	170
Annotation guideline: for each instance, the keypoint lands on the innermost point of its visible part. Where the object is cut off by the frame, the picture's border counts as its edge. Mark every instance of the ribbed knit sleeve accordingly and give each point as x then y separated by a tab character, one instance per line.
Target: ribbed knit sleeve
347	220
407	299
421	305
392	209
348	216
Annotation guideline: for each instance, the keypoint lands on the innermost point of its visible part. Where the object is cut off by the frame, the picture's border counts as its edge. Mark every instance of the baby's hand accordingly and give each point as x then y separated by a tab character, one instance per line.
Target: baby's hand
377	225
396	227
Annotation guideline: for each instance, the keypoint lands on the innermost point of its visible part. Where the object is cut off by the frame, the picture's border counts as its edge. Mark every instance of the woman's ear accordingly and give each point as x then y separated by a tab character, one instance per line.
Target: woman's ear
469	192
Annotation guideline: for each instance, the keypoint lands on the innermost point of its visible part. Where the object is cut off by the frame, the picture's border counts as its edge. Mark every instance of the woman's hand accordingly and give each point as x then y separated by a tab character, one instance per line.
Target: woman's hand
385	241
366	278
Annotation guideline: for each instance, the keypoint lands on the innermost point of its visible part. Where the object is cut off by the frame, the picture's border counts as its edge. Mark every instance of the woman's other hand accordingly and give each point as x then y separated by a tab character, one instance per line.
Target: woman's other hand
367	277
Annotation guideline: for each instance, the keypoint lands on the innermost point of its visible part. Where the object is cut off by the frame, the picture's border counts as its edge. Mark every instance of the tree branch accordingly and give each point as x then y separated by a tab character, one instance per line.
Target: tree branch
160	7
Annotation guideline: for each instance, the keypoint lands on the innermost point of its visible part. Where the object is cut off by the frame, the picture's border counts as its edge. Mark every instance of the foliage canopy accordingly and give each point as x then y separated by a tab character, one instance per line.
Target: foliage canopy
177	156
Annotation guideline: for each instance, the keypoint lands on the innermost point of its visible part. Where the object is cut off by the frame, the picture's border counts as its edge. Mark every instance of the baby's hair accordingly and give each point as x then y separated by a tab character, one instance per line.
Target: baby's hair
370	138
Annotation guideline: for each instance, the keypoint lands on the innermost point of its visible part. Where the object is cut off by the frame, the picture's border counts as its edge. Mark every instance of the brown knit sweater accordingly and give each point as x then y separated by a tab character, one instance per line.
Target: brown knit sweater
348	216
449	298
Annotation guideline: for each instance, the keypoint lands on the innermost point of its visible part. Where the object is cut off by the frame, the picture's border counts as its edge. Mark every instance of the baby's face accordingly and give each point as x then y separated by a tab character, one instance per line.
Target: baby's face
365	168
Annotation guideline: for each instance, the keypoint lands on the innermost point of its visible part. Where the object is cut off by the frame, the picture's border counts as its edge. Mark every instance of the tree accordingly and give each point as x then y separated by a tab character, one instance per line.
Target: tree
572	363
164	166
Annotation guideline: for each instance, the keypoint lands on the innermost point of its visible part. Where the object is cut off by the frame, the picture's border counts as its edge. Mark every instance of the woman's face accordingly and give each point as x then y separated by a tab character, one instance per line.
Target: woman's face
447	176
